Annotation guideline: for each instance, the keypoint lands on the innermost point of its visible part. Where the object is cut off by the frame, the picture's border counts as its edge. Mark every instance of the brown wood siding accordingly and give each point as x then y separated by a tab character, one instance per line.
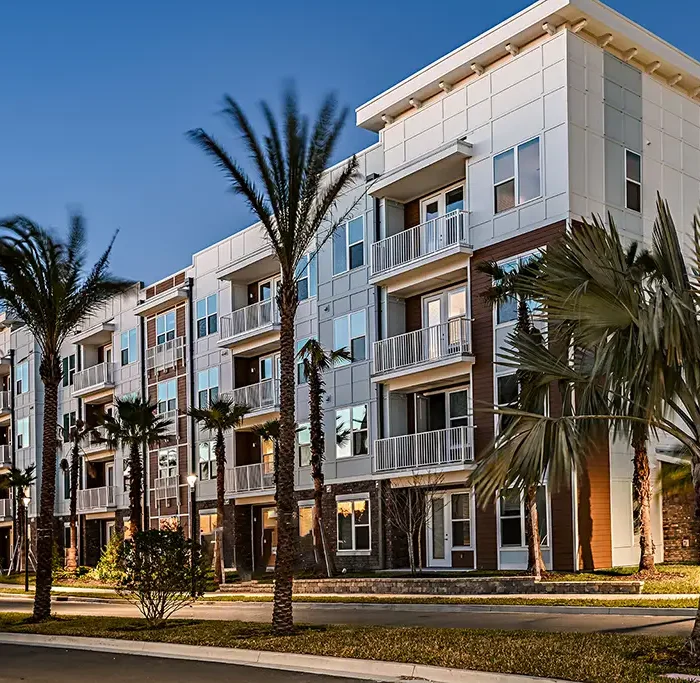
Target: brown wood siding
164	286
150	333
414	313
594	522
182	407
411	214
180	324
179	279
247	448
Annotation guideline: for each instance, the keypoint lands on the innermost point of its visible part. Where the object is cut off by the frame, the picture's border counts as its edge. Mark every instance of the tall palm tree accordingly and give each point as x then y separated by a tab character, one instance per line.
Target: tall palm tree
17	481
294	199
316	361
45	284
134	424
221	415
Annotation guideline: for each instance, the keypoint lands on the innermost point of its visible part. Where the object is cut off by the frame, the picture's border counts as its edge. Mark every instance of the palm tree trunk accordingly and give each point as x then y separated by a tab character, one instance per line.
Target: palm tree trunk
282	616
535	563
220	451
641	486
693	643
72	557
135	488
50	373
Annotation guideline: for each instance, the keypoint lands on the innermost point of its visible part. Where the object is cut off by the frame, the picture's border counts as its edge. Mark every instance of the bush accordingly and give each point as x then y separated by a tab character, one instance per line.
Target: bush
108	569
157	573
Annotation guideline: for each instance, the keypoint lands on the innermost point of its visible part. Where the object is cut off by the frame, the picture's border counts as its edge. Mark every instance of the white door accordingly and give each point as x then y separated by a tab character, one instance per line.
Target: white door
438	527
432	319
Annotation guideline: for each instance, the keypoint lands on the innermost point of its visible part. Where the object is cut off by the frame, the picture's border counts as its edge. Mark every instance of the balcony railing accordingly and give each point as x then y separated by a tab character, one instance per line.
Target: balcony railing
165	355
97	440
423	240
262	396
5	401
249	319
257	477
5	508
167	488
430	344
426	450
96	499
100	375
5	456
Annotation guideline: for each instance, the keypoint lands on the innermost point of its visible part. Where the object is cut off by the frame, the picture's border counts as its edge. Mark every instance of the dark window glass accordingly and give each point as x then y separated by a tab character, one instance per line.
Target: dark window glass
357	349
504	196
634	196
201	328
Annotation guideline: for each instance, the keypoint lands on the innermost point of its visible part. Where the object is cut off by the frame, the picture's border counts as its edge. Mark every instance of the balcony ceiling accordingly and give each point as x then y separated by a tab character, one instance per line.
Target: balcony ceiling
251	268
161	302
97	335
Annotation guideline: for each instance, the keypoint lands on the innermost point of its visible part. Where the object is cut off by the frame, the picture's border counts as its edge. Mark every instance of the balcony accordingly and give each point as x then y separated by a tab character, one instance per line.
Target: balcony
165	355
262	399
98	378
97	447
5	406
426	257
424	358
167	488
5	508
249	479
5	457
438	450
99	499
252	330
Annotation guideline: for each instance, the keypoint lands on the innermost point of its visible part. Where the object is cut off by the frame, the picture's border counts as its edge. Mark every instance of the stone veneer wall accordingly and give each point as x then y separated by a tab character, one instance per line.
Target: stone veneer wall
681	526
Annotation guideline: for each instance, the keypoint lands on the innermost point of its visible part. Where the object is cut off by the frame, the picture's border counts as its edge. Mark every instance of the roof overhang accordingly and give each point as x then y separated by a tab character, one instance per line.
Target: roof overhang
97	335
161	302
251	268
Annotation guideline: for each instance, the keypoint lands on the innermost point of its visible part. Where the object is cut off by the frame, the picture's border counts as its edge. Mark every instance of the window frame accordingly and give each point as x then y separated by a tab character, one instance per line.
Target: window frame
306	505
167	452
22	376
21	432
345	227
68	370
628	179
471	519
132	345
210	318
351	432
353	498
348	318
307	271
523	536
211	459
68	424
303	428
165	317
515	178
212	390
168	383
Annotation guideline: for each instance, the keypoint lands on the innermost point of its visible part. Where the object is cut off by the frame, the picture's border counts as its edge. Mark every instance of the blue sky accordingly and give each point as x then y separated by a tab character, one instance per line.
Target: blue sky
97	96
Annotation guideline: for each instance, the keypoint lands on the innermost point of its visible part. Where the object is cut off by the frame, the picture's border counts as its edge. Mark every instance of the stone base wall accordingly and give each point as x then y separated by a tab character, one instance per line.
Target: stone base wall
681	527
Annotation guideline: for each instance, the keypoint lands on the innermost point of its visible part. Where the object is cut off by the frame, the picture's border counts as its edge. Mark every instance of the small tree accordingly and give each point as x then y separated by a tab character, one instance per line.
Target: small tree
17	480
108	569
160	575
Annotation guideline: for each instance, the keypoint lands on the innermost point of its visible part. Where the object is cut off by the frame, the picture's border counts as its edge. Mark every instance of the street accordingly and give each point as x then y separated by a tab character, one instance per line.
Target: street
53	665
394	615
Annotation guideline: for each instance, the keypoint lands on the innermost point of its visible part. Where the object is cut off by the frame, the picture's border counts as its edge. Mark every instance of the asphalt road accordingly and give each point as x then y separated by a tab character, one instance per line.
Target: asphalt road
394	615
53	665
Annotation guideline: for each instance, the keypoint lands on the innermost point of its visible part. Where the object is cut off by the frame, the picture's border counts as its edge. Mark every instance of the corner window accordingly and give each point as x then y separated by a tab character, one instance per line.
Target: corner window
633	181
207	387
68	370
517	175
167	396
307	277
165	327
128	347
304	445
22	377
207	322
23	433
353	524
348	246
167	463
351	432
207	461
349	332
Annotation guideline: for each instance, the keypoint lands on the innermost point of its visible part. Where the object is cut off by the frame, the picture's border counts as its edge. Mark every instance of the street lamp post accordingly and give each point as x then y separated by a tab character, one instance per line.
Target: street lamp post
26	500
192	483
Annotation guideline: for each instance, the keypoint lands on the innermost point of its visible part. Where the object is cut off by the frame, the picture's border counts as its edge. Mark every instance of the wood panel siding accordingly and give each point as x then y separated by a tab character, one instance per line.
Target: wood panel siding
180	322
594	521
411	214
150	332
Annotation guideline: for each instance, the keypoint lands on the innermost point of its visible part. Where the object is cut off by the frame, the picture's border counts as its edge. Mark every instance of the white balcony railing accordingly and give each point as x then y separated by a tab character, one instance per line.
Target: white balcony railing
261	396
97	499
425	450
428	238
100	375
5	401
167	488
165	355
257	477
430	344
5	456
249	319
5	508
97	440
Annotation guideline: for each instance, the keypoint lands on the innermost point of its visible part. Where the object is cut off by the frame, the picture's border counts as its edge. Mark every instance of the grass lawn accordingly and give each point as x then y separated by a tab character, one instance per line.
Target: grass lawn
594	657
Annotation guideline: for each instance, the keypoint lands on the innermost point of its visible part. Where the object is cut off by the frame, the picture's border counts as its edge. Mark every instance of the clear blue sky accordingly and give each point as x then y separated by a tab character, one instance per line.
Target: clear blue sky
96	97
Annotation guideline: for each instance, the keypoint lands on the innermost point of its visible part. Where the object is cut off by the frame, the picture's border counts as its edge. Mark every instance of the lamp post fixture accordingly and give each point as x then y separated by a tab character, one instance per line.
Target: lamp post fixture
192	483
25	501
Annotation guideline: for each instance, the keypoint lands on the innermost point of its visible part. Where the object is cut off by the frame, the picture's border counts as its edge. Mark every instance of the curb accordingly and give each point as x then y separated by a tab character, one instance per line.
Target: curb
389	672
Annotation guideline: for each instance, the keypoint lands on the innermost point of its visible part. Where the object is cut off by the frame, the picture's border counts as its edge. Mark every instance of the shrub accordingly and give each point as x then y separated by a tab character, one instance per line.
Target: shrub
108	569
157	573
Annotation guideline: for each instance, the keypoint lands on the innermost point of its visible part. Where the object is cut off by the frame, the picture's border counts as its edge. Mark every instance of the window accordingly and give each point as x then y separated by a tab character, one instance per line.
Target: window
207	460
22	377
23	433
633	181
128	347
349	332
304	445
167	396
267	448
207	387
165	327
507	391
348	246
351	431
66	483
207	322
516	175
353	524
68	424
461	520
270	367
68	370
301	378
306	520
306	277
512	516
207	523
167	463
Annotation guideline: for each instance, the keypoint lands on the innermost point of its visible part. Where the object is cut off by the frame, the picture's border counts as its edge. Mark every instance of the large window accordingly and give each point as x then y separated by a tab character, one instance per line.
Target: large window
353	524
22	377
633	181
165	327
304	445
128	347
350	332
349	246
23	433
351	431
517	176
167	463
207	322
512	518
207	387
167	396
306	520
207	460
68	370
306	277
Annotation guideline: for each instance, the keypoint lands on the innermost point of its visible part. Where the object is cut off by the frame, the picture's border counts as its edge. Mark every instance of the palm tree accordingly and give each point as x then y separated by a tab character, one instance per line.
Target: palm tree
44	284
221	415
17	481
134	424
316	360
293	198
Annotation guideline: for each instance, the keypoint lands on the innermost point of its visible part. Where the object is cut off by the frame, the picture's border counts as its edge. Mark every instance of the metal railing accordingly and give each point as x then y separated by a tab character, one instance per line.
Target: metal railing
166	355
424	450
166	488
420	241
98	375
96	440
248	319
5	507
257	477
5	401
423	346
97	498
5	456
265	394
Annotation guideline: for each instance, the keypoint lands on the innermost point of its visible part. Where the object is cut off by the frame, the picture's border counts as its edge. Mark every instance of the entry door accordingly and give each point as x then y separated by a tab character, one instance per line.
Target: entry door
109	474
438	527
433	316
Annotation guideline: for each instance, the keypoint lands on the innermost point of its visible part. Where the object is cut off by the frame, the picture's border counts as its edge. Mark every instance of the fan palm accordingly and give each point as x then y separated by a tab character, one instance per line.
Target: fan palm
134	424
221	415
17	481
315	361
294	199
45	285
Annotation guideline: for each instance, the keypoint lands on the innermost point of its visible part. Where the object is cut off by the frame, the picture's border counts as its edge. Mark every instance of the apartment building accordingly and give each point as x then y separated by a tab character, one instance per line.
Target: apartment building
563	110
